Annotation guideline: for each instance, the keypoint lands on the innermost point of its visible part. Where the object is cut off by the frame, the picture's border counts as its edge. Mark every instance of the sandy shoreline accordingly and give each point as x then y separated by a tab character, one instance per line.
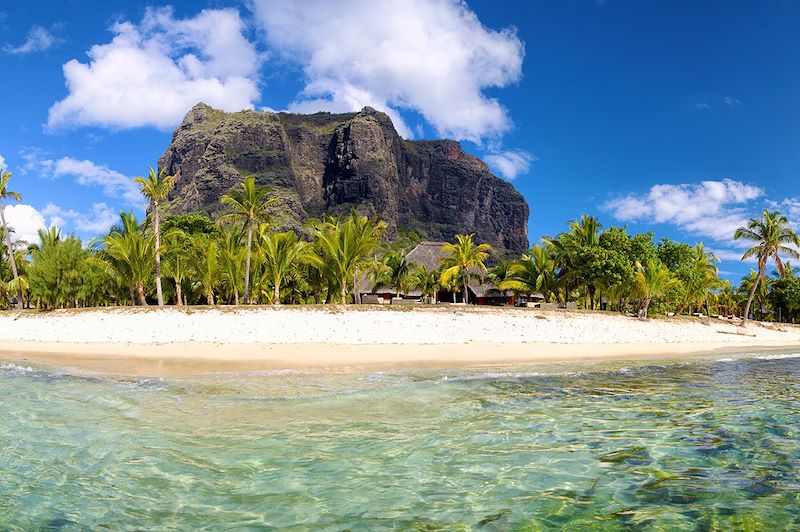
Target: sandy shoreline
166	342
161	360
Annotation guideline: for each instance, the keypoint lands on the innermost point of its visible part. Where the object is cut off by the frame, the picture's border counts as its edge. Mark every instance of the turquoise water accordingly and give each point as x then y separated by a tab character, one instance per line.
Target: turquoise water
704	445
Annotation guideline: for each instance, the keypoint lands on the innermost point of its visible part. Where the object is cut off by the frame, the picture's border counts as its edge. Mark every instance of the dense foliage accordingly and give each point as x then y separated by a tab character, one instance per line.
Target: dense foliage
239	258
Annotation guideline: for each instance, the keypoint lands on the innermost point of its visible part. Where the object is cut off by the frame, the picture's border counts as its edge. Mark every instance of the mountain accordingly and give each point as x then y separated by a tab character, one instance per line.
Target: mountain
328	163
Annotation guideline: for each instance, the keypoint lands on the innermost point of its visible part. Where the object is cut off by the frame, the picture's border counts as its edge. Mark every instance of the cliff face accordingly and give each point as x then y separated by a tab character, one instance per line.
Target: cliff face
332	162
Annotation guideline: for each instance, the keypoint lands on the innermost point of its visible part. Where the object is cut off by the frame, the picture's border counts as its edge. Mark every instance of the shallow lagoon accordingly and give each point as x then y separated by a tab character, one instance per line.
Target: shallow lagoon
712	443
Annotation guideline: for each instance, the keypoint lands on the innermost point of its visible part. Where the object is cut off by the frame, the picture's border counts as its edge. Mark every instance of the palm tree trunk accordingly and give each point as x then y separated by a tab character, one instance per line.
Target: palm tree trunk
344	291
750	298
140	291
276	295
356	295
466	294
157	222
132	290
643	310
247	262
178	294
210	297
11	258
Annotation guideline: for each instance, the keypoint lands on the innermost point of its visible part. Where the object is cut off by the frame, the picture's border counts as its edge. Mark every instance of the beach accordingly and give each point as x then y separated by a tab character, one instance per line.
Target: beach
164	342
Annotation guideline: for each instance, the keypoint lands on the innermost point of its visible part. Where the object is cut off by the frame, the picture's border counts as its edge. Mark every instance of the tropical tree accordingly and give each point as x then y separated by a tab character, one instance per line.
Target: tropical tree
207	266
699	278
156	187
343	246
760	287
132	254
57	270
249	205
572	249
534	272
15	196
653	279
396	271
427	283
281	253
462	260
232	256
772	237
728	298
179	260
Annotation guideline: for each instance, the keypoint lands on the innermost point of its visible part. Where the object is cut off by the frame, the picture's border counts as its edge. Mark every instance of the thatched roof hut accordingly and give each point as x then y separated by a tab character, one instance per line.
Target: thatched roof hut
428	254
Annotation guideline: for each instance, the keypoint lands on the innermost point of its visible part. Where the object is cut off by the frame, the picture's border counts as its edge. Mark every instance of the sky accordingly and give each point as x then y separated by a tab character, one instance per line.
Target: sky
679	117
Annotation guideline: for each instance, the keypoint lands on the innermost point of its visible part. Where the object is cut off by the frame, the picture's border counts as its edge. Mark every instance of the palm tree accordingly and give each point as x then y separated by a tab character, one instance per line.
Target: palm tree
565	250
232	256
250	205
396	272
760	287
701	279
207	265
427	282
462	259
652	280
132	254
9	194
281	253
728	298
585	231
343	246
772	236
534	272
178	260
156	187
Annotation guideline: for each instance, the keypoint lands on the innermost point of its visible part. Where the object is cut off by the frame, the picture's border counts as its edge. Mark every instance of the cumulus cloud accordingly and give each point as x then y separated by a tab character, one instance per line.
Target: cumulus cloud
152	73
24	221
39	39
87	173
713	209
2	163
510	164
727	255
433	57
99	220
730	101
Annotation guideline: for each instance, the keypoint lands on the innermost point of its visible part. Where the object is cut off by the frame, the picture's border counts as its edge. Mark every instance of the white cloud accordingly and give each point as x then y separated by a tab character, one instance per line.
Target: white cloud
113	184
730	101
152	73
99	220
39	39
2	164
430	56
702	107
727	255
713	209
510	164
24	220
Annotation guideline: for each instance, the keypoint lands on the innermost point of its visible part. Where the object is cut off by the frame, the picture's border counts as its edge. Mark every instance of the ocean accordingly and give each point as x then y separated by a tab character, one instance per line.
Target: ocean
701	444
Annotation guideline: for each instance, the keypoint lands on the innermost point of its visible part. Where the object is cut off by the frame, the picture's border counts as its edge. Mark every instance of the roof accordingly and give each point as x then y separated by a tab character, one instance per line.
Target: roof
428	254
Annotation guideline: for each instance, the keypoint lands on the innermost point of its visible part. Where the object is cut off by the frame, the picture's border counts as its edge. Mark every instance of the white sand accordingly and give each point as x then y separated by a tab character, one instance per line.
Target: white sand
289	325
357	337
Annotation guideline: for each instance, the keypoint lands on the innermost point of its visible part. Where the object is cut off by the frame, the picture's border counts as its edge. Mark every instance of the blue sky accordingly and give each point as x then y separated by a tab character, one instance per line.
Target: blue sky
679	117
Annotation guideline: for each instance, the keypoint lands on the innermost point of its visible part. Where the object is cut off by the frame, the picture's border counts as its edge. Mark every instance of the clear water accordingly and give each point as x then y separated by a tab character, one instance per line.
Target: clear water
704	445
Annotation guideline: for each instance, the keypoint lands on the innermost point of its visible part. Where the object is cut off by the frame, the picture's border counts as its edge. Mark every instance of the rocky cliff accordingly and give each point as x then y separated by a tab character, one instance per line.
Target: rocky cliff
328	163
